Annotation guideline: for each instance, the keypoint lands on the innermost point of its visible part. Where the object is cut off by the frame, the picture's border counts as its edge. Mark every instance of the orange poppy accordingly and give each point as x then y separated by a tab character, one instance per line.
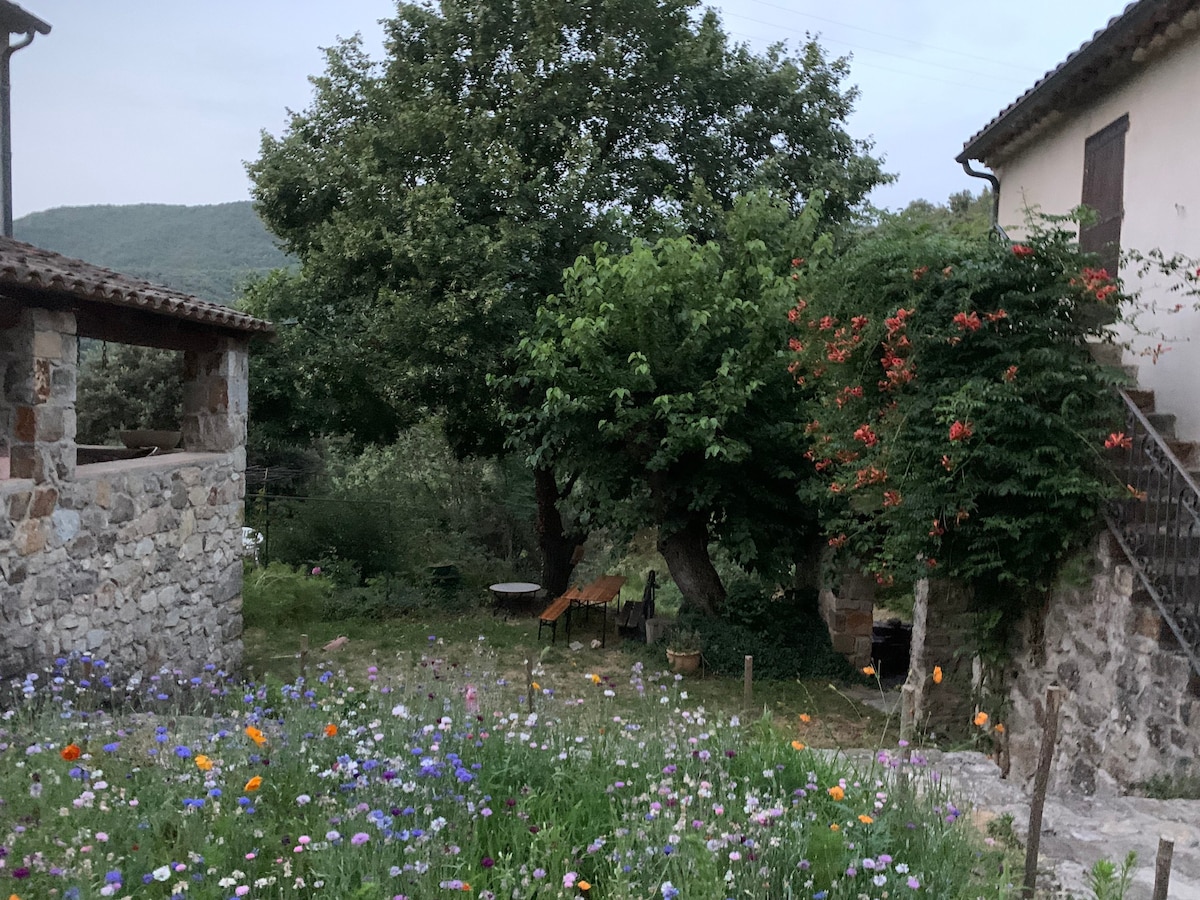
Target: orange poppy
937	674
330	730
865	819
868	670
203	763
837	793
255	735
796	745
981	718
253	784
71	752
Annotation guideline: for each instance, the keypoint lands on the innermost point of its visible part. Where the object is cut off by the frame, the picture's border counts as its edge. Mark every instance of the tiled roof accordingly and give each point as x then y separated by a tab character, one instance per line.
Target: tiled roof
1098	64
32	268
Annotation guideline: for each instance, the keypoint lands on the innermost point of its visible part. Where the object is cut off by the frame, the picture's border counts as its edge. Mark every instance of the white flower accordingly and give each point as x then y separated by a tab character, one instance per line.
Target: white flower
162	873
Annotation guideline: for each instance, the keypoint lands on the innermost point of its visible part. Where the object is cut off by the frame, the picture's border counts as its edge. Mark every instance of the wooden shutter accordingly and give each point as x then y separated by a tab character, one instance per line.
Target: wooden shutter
1104	192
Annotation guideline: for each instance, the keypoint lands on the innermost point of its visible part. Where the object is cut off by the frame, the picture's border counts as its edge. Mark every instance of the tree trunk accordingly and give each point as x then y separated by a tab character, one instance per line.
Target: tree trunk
686	553
558	548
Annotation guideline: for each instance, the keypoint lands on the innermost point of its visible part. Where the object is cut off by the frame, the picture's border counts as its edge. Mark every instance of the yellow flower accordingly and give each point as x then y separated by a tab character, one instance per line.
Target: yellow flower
865	819
255	735
835	827
595	678
535	686
868	670
837	793
585	885
981	718
937	674
253	784
796	745
203	763
805	718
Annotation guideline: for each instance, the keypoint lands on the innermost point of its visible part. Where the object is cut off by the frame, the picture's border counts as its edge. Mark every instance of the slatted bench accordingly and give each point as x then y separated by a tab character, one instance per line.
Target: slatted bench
552	613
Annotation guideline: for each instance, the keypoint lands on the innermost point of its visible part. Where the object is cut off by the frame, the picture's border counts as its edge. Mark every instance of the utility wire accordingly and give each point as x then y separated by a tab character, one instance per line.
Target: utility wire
920	62
1024	69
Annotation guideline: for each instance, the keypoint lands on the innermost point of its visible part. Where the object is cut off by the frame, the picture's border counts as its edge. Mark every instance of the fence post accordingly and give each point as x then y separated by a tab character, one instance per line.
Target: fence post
1162	868
1054	698
748	684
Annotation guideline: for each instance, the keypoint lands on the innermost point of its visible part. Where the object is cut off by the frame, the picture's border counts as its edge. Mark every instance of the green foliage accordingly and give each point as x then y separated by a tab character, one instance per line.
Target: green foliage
683	639
208	251
435	200
124	387
392	512
783	631
1107	882
659	378
962	214
961	419
278	594
1172	787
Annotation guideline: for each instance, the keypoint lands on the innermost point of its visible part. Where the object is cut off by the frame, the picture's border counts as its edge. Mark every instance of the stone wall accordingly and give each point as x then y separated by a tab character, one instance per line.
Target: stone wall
849	613
135	562
1132	705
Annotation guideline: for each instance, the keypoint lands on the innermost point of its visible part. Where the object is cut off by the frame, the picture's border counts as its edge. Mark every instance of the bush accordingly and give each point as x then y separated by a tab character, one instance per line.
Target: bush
280	595
782	631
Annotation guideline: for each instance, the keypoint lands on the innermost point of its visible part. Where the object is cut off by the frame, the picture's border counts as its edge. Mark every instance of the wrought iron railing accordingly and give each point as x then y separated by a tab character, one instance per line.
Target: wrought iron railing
1158	526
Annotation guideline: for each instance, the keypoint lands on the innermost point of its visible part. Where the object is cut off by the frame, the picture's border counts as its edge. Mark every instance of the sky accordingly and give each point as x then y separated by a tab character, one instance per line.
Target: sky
158	101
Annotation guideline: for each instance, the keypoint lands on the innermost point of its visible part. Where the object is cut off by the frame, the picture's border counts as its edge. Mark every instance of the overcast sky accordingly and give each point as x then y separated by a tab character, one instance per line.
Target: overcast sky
160	101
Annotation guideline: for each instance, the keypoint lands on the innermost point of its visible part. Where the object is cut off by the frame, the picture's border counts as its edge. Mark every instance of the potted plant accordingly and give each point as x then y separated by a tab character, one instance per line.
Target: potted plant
683	650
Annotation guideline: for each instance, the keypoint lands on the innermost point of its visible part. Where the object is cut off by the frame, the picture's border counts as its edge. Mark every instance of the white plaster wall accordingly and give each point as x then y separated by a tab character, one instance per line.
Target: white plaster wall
1162	206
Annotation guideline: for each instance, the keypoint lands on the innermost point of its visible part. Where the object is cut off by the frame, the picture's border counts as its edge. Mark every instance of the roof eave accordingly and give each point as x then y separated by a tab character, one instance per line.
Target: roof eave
1040	99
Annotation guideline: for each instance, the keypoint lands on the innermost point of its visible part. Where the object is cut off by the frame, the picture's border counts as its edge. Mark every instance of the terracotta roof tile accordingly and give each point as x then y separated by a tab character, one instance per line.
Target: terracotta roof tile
1111	44
32	268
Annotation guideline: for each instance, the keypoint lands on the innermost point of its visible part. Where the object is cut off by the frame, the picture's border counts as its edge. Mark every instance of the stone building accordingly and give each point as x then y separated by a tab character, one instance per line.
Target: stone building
134	561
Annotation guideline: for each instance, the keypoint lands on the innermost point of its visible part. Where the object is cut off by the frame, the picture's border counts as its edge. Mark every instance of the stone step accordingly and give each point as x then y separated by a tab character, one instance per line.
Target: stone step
1142	399
1163	423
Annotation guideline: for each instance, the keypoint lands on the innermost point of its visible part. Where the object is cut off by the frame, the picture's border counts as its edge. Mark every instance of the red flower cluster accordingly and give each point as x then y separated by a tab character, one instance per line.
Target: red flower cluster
865	434
1023	250
1118	439
892	498
960	431
1010	374
967	321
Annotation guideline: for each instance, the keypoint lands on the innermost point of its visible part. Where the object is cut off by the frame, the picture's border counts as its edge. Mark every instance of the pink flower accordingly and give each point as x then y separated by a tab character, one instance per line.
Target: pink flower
316	570
960	431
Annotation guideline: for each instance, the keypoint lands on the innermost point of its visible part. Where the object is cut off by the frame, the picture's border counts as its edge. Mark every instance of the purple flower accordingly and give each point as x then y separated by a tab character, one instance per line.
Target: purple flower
359	839
487	862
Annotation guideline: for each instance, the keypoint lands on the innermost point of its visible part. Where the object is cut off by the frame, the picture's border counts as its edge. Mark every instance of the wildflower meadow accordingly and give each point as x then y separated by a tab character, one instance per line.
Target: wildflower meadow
438	777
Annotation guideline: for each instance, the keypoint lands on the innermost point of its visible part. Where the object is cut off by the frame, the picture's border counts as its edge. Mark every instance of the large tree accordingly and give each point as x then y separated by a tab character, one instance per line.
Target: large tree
661	376
434	199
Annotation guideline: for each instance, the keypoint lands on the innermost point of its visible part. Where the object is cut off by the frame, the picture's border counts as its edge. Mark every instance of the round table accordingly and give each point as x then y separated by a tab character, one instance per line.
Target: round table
507	591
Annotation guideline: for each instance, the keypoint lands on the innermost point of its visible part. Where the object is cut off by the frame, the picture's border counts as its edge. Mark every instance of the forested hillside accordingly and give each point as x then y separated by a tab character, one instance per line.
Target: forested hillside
208	251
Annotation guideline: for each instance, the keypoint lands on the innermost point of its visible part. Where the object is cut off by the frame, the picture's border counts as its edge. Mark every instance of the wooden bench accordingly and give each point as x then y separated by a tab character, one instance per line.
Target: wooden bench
552	613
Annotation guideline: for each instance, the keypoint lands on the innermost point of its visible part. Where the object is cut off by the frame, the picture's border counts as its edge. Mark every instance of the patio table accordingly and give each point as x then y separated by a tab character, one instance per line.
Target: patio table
506	592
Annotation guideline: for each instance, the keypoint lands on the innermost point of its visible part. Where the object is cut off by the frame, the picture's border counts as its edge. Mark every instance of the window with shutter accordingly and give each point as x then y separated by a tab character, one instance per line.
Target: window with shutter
1103	192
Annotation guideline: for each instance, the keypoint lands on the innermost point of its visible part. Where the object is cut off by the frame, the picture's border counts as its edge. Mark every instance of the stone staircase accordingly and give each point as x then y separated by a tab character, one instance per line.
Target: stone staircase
1188	452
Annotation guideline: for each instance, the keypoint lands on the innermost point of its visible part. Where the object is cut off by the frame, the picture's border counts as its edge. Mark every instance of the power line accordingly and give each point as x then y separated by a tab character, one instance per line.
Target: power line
911	59
1024	69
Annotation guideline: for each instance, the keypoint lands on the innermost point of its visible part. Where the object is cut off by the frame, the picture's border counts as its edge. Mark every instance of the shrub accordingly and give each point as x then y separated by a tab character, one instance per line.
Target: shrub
783	631
279	595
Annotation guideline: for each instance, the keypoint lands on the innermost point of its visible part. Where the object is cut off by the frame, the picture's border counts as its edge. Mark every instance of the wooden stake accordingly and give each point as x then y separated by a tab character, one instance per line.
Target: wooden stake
303	655
1162	869
1054	698
529	682
748	684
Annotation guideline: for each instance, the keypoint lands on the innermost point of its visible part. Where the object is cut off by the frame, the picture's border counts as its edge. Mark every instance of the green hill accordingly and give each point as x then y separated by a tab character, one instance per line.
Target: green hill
208	251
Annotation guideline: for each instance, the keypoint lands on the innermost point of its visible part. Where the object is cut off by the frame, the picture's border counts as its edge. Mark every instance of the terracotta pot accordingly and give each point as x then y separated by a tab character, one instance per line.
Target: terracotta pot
684	663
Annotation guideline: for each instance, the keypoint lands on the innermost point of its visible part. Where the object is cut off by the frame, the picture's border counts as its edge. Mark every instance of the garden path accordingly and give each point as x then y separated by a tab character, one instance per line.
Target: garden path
1079	830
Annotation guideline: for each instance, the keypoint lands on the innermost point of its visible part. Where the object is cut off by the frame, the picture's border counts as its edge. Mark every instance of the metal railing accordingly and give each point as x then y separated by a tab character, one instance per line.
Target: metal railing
1158	526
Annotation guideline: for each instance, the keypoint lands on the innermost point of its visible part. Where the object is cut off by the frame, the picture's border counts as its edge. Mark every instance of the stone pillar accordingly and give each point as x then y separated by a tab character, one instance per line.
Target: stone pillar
949	640
215	397
41	359
849	613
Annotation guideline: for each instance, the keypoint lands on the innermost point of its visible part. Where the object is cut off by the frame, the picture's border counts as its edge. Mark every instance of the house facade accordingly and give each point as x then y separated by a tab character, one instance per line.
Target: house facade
1115	127
136	561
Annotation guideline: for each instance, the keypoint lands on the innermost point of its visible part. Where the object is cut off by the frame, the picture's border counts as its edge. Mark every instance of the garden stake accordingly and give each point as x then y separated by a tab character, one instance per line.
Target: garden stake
1054	696
303	655
748	684
1162	868
529	682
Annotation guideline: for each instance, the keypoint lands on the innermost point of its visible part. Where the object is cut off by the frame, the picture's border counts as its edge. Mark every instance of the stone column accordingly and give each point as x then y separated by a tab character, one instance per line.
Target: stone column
215	398
39	395
849	613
